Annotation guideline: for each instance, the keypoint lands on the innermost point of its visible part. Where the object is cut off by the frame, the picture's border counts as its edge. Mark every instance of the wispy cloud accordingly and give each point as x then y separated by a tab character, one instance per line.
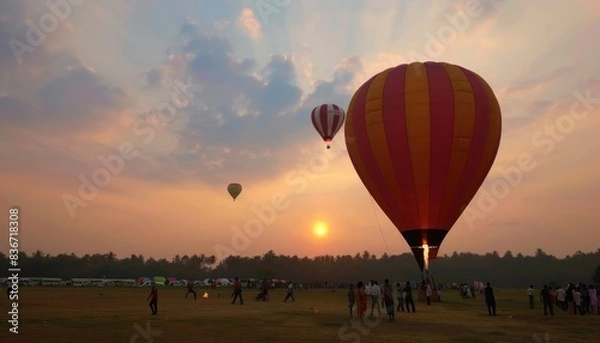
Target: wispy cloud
99	78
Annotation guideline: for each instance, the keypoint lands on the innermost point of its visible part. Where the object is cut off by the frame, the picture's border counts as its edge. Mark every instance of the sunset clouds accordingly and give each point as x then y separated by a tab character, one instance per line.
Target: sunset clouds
140	114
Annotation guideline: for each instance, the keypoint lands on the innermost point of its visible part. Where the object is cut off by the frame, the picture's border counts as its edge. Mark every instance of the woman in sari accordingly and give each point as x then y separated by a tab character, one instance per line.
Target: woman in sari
388	298
362	301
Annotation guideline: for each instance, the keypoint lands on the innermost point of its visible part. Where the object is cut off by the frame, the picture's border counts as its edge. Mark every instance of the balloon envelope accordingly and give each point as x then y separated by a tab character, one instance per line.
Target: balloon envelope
327	119
422	138
234	190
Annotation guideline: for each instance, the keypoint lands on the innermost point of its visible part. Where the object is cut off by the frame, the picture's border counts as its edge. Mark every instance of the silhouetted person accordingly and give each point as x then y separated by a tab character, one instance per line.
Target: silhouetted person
546	300
375	296
351	298
237	291
190	290
490	300
388	298
290	292
361	294
577	299
153	297
399	297
530	293
408	298
569	298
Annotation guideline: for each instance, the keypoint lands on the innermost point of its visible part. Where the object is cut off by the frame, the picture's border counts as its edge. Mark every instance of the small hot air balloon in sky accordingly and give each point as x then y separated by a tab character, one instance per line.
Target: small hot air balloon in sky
234	190
328	120
422	138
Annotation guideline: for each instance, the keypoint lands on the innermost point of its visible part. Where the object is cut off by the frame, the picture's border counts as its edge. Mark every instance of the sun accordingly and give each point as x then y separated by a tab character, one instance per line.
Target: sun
320	229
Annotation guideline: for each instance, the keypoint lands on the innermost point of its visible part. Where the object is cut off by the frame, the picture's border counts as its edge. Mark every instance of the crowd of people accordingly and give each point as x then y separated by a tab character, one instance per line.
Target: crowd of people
574	298
236	294
383	297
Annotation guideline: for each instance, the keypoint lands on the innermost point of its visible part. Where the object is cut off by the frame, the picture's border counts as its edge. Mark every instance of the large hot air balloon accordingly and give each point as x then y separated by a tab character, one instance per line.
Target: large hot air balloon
327	120
422	138
234	190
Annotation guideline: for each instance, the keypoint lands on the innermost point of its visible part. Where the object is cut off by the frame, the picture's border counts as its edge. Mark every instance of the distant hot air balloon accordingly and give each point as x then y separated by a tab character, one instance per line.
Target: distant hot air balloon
234	190
327	120
422	138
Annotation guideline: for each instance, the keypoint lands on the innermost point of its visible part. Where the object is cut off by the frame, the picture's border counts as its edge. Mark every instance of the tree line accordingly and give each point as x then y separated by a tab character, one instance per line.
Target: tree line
508	270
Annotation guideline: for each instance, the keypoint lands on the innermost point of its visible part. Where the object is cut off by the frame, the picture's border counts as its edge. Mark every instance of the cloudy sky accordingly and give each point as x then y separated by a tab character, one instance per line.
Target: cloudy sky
181	97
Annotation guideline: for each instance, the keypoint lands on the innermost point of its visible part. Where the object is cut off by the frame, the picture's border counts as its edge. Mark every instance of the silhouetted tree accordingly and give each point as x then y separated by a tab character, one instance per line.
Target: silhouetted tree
505	271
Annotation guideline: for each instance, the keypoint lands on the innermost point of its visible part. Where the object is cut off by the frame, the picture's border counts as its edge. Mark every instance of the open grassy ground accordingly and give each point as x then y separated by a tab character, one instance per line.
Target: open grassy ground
122	315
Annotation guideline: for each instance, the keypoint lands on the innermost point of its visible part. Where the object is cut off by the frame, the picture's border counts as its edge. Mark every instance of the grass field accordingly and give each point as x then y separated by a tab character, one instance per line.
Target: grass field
122	315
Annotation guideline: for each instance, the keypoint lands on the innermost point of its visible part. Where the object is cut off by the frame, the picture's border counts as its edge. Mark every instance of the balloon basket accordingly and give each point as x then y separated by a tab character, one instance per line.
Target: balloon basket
423	296
427	279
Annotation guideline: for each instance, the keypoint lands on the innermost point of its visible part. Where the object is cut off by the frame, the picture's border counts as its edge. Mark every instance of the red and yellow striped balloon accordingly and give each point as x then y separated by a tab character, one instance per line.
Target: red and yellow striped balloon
422	138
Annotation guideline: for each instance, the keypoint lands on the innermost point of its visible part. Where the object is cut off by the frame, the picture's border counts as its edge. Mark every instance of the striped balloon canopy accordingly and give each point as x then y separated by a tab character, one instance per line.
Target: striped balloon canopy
327	120
422	138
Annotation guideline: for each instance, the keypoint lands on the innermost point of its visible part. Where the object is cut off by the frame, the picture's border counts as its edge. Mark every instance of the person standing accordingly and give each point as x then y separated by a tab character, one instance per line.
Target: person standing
593	299
362	301
552	297
569	298
369	290
546	300
153	297
375	296
530	293
265	290
351	299
190	290
408	298
237	291
428	292
577	299
399	297
290	292
560	299
388	298
490	300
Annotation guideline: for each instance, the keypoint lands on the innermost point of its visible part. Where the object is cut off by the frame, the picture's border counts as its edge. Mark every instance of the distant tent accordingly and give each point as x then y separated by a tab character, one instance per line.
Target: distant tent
142	279
171	280
222	281
160	279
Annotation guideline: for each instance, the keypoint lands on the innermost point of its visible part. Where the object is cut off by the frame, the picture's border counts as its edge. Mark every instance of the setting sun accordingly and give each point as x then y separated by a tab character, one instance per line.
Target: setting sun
320	229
